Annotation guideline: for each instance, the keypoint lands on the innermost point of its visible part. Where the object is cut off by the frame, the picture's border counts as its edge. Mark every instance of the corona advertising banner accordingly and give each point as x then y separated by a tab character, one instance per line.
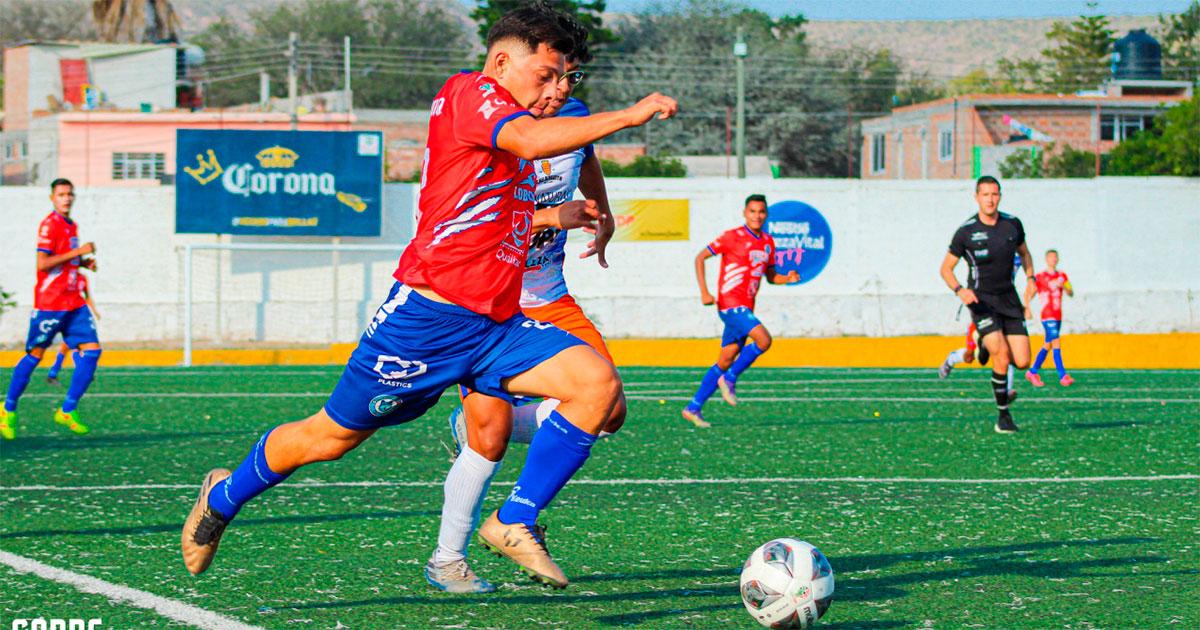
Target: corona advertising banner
295	183
650	219
803	240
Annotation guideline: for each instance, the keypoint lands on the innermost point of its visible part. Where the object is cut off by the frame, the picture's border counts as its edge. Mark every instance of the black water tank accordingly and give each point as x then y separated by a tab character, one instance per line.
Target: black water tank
1137	56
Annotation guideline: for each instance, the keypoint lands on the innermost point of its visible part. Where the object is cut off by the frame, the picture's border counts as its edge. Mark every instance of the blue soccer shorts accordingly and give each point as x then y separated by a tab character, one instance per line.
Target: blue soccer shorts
1053	328
76	327
739	321
415	348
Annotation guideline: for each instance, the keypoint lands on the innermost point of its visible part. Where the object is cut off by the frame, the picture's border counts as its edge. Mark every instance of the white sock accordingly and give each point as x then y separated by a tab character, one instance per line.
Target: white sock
956	357
1012	371
466	485
528	418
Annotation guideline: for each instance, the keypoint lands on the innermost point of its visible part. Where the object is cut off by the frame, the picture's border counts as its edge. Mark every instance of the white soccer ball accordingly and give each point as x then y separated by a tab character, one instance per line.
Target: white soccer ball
787	583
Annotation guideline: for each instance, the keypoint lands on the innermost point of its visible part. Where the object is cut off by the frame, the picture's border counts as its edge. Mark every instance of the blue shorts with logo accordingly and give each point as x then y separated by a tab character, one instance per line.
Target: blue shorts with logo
1053	328
76	327
739	321
415	348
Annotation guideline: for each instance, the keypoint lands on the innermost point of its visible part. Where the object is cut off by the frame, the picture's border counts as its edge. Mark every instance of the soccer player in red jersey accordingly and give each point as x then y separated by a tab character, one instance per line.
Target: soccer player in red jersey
747	256
453	315
58	308
81	284
1050	286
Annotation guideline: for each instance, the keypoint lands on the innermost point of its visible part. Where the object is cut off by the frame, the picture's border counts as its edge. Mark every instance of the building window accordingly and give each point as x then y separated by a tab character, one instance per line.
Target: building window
878	153
1121	127
8	151
945	145
129	166
22	149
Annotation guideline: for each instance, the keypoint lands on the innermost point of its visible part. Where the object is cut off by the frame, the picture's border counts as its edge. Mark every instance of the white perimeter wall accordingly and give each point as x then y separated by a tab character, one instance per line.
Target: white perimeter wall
1129	245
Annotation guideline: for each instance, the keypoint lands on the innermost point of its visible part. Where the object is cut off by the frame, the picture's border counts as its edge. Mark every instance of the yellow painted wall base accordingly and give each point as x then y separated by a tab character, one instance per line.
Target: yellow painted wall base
1108	351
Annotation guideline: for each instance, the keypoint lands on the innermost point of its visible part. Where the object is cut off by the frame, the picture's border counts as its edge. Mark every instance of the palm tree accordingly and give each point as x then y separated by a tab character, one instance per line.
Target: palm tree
130	21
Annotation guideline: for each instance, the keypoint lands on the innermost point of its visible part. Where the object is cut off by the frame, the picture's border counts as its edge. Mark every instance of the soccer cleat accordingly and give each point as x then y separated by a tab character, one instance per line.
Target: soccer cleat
1005	424
70	420
458	429
1012	395
524	546
53	380
695	417
944	371
8	421
1035	379
982	355
727	390
456	577
203	528
1066	381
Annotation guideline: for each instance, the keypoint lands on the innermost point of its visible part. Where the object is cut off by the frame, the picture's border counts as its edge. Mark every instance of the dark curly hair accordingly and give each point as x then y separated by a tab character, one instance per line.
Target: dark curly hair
534	24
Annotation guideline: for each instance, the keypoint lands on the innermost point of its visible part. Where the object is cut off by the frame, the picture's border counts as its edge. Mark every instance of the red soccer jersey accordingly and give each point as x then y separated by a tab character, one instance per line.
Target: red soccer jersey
1050	292
476	204
56	289
744	260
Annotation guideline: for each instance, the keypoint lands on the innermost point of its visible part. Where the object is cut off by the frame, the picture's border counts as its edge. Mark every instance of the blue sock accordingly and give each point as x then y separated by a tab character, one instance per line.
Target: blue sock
85	369
557	450
1037	363
708	385
20	378
743	361
1058	363
58	361
252	478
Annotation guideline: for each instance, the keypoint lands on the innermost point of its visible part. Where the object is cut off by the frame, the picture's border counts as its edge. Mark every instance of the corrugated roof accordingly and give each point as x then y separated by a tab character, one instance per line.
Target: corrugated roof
98	50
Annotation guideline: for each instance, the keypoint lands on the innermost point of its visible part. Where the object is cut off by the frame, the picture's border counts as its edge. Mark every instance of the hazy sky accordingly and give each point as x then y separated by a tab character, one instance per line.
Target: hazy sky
941	9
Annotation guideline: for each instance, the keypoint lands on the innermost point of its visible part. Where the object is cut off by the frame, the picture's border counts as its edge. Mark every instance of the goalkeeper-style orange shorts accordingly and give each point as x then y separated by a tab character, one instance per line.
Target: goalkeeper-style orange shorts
566	314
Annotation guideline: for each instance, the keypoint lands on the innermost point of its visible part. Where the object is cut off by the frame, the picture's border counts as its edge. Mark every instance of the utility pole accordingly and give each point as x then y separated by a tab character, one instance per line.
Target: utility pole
291	55
346	72
264	91
739	51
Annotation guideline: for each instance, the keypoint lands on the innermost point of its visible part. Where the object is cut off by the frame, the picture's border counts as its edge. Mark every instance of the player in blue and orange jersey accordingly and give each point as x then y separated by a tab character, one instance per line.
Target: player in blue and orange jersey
81	284
452	318
58	308
747	256
1050	286
483	426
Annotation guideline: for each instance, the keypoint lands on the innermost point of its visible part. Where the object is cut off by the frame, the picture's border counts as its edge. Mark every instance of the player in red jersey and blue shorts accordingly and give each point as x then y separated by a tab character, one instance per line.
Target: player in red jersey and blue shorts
747	256
1050	286
453	316
58	308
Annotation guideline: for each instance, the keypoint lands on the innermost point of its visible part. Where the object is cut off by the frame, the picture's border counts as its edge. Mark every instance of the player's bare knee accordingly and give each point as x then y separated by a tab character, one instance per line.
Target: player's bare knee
491	441
763	341
616	419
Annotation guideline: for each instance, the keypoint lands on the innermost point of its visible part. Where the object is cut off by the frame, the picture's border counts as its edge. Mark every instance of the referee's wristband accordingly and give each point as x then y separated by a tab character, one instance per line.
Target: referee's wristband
957	289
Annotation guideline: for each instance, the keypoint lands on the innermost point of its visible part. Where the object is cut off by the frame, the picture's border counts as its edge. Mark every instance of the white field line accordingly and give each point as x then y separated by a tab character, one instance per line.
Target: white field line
646	396
169	608
634	482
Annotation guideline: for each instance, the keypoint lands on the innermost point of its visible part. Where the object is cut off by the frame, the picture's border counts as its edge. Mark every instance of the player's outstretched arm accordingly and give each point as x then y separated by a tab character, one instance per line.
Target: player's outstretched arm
775	278
532	138
705	297
966	295
591	184
568	216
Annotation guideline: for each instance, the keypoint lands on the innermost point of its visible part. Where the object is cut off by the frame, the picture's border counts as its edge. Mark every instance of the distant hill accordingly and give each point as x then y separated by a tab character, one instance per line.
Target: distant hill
941	48
951	47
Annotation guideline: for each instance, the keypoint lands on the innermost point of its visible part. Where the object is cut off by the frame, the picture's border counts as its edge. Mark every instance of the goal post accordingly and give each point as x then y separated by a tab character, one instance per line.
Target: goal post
285	293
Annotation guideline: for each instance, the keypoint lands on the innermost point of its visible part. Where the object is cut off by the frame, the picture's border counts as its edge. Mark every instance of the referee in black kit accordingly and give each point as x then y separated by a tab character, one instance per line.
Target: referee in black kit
989	241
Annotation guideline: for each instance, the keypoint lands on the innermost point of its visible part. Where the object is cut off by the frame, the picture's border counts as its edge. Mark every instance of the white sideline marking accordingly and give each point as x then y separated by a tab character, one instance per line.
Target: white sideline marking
169	608
644	396
633	482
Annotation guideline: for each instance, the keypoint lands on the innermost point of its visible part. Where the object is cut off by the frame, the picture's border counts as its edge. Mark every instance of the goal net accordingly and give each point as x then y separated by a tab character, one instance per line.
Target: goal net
282	295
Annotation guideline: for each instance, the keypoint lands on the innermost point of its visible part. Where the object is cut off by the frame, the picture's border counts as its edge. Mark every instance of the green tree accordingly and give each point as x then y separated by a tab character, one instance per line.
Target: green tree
1081	55
402	50
1170	147
645	166
1180	38
1069	162
6	301
1022	164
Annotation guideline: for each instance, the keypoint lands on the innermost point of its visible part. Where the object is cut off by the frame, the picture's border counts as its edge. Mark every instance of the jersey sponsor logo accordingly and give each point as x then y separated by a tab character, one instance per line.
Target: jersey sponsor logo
384	404
981	253
439	104
47	325
979	236
487	108
393	370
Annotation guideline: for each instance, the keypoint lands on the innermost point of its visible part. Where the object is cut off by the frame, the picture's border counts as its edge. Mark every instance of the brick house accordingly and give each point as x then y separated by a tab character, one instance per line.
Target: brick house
968	136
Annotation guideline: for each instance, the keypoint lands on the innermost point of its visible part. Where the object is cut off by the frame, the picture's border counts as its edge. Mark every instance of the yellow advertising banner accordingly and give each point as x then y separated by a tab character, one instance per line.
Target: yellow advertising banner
650	219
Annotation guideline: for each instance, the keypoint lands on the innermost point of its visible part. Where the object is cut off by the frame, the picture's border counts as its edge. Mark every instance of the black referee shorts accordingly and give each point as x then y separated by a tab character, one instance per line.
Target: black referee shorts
998	313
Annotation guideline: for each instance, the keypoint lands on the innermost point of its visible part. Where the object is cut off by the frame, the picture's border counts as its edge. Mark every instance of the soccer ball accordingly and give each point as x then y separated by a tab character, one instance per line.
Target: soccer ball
787	583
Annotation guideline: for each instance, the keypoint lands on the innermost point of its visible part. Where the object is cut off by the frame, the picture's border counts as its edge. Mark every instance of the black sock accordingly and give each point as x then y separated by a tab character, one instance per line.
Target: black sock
1000	389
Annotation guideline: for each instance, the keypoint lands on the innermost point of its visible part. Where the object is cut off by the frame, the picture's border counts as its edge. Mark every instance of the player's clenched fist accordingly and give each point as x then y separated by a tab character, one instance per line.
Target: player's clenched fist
655	105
